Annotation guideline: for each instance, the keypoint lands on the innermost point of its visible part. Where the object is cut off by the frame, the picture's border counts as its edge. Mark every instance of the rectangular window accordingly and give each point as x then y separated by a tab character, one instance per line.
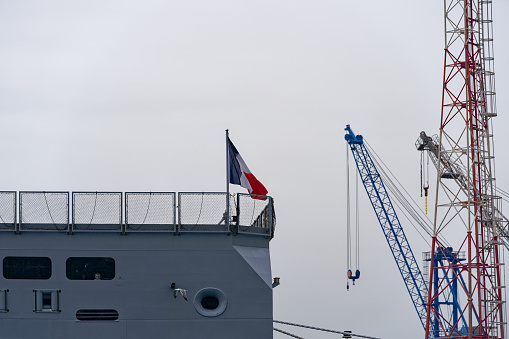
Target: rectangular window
27	268
90	268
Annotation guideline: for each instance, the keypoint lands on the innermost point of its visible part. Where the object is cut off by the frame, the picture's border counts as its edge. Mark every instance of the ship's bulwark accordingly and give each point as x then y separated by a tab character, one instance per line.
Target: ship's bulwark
230	269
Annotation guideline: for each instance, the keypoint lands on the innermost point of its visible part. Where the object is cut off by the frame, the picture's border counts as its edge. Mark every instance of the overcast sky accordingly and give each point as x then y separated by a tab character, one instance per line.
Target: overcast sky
136	95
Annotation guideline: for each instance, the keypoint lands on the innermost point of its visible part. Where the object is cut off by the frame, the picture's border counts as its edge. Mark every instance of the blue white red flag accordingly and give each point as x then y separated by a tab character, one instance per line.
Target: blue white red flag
239	173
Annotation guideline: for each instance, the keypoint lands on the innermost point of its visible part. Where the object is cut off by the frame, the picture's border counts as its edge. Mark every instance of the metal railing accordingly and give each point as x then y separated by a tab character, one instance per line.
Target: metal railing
203	211
136	212
43	211
7	211
96	211
254	214
150	212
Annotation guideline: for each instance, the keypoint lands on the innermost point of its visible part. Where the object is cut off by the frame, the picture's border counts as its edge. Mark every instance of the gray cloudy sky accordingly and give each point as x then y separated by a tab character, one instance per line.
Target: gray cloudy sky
136	95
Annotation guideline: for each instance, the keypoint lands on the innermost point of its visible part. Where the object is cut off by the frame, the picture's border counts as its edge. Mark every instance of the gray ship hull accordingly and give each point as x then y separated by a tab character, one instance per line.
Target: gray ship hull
146	265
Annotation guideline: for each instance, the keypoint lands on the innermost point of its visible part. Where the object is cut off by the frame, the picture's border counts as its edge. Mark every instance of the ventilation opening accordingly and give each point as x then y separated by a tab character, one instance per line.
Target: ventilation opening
210	302
97	315
47	301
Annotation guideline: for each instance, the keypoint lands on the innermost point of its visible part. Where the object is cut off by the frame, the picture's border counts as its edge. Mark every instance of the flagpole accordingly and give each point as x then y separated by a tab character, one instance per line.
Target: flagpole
227	217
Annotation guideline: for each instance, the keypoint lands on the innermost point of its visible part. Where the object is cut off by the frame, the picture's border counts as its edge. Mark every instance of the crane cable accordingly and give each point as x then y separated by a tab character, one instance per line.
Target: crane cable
357	237
408	207
348	241
505	195
425	179
350	275
404	205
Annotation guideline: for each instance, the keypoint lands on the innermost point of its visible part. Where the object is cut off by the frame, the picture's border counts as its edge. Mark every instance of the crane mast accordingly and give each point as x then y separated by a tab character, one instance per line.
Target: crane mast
467	213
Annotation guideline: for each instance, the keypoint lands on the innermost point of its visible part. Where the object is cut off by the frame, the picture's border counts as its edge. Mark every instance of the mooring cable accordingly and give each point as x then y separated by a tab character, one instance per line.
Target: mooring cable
287	333
325	330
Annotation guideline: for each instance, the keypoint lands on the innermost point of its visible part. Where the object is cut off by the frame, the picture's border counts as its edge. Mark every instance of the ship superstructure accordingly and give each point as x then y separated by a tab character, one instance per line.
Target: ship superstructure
121	265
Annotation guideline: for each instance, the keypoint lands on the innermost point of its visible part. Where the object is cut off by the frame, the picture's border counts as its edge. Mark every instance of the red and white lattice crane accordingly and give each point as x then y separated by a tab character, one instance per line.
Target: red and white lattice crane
466	212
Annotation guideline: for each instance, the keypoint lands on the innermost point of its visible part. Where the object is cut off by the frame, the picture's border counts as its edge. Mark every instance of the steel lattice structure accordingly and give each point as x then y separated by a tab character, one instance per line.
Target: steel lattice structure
468	105
389	221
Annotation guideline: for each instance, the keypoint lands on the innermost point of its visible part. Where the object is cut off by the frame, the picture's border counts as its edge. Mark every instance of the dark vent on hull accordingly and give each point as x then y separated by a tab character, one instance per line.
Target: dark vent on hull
97	314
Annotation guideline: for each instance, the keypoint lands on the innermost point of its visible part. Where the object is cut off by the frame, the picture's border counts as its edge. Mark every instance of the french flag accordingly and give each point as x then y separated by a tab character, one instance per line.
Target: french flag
239	173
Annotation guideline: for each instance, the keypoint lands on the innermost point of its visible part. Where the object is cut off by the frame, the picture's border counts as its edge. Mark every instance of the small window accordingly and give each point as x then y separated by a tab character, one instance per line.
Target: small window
90	268
27	268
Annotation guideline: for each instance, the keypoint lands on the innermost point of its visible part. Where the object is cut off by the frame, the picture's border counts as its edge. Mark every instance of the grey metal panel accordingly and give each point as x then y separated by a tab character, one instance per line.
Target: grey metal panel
3	301
259	259
146	265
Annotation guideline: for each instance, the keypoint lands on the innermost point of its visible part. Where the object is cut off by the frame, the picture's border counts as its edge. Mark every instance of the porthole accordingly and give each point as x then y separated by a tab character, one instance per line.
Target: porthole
210	302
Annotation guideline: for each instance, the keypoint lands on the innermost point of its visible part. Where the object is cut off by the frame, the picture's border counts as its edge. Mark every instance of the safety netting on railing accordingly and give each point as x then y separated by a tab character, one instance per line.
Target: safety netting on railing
150	211
7	211
205	211
144	212
44	211
97	211
254	214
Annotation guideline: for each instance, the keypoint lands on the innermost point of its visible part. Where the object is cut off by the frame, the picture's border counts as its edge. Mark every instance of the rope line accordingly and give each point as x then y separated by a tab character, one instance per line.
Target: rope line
324	330
93	212
148	208
131	227
49	210
199	214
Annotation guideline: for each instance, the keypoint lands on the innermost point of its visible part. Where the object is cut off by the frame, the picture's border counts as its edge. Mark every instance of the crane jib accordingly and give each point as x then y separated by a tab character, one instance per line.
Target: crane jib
392	229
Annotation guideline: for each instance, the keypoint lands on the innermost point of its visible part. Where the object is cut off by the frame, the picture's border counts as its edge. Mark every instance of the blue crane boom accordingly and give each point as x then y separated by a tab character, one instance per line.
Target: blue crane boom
390	224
